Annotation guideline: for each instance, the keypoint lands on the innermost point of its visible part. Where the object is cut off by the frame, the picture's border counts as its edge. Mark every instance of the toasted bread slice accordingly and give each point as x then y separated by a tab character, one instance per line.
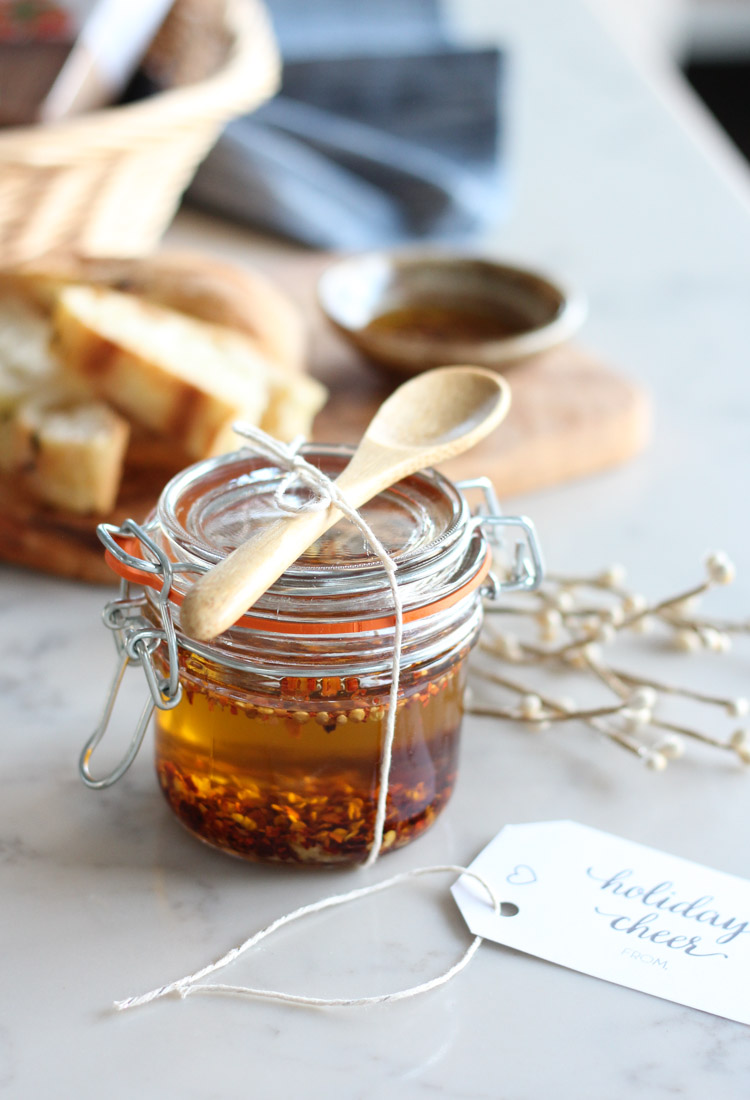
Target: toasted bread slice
26	365
208	289
26	362
293	402
178	376
13	391
70	455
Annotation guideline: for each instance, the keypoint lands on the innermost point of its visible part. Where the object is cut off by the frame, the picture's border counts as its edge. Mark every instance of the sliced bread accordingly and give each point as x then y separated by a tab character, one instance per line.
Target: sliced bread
26	365
70	453
188	282
178	376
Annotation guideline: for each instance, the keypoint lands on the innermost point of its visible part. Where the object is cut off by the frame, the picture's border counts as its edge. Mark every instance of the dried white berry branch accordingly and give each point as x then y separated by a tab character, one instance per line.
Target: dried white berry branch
575	618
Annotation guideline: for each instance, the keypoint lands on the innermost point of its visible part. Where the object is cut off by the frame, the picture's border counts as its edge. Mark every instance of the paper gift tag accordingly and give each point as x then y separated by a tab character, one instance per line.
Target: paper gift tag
616	910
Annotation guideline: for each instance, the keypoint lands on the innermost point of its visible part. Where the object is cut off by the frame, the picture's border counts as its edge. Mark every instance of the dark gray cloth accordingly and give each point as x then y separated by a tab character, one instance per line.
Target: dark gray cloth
343	28
382	132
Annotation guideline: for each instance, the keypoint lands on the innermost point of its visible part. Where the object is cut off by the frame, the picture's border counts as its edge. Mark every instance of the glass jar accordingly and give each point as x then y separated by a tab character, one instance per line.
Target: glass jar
269	738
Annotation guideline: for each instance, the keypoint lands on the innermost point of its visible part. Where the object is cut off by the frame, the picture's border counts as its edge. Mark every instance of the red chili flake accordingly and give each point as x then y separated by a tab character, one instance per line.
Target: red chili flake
293	686
330	686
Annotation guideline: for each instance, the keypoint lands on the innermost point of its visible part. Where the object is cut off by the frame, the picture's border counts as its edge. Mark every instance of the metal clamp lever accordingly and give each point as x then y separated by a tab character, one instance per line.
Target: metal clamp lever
96	736
136	639
528	568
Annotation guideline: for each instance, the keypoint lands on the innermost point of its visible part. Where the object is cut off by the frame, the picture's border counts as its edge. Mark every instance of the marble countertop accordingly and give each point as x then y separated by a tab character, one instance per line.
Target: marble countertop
620	181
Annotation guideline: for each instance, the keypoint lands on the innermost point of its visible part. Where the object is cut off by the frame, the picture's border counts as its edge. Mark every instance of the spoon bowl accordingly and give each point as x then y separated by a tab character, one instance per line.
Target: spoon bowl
475	402
428	419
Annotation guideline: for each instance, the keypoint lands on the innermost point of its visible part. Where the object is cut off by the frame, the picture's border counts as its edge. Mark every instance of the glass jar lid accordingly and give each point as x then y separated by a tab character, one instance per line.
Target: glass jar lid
423	522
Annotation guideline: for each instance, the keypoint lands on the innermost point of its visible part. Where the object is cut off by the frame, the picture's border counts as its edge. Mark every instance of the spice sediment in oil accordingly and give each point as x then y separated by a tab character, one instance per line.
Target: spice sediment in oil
294	777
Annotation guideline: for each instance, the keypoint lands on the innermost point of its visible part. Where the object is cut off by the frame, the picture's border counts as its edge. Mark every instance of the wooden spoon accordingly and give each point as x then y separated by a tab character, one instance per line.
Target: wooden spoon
428	419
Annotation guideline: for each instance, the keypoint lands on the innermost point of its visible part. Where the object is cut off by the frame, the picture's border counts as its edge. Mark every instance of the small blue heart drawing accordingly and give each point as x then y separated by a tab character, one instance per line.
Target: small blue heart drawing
522	875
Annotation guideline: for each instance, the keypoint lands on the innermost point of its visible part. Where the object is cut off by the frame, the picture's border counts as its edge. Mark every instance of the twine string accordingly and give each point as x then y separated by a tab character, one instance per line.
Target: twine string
324	493
185	987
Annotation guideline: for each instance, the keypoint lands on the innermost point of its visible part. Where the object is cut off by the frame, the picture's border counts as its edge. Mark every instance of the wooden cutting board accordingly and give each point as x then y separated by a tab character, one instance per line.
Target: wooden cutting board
65	544
570	416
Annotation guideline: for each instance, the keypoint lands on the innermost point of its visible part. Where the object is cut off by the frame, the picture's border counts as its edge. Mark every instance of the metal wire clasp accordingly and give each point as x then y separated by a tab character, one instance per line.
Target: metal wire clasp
136	639
527	571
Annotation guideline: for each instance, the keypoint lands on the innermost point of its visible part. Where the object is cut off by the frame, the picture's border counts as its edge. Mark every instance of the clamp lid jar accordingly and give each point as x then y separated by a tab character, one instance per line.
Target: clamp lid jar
269	738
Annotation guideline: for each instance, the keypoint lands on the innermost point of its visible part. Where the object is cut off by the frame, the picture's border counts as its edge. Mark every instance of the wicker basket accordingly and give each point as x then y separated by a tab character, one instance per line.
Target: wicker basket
108	183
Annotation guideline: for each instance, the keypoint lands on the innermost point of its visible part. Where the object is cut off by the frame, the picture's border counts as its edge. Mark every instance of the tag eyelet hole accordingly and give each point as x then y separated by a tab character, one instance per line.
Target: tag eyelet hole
508	909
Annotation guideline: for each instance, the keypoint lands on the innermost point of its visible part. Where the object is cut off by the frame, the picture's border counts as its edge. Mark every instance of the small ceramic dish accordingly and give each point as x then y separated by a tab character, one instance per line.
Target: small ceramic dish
412	312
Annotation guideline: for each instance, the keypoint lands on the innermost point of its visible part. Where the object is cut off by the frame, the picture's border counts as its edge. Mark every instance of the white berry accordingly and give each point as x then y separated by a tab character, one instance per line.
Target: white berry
644	625
643	696
550	621
720	568
634	603
614	576
591	626
634	720
614	615
739	738
687	640
655	761
549	616
711	639
509	647
565	703
685	606
740	742
672	746
564	601
530	706
539	726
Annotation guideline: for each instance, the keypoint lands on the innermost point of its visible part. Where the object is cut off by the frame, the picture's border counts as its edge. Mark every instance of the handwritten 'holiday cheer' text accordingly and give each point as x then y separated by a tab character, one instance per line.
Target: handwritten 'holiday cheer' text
664	898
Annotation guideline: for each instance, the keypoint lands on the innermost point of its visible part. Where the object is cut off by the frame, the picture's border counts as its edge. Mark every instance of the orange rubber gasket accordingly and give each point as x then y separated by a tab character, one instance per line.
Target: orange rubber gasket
277	626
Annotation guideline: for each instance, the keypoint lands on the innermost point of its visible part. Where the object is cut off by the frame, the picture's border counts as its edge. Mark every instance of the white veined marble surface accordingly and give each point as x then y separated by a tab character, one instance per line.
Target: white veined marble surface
103	895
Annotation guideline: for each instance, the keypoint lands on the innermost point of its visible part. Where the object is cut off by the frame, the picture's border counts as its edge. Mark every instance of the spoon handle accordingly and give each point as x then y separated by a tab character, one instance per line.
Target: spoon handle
224	593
